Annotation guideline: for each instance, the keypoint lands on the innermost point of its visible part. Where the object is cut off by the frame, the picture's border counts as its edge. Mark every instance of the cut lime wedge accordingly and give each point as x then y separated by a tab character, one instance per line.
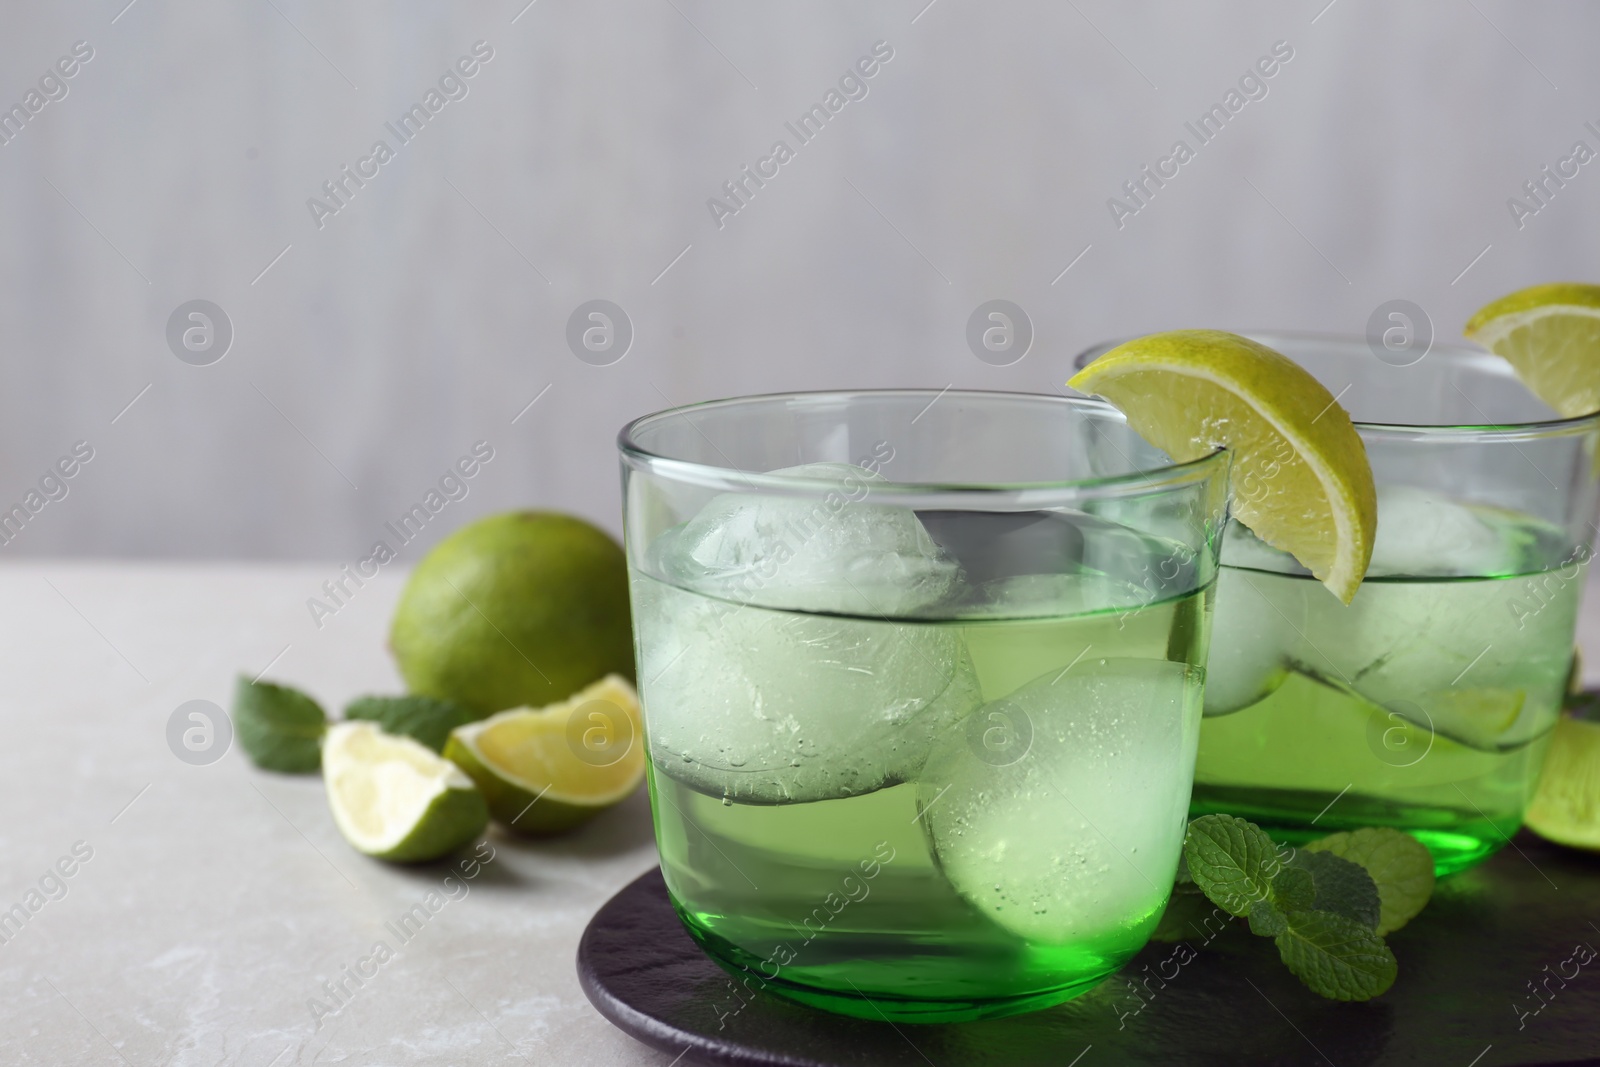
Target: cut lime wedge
395	799
1566	806
1300	477
545	770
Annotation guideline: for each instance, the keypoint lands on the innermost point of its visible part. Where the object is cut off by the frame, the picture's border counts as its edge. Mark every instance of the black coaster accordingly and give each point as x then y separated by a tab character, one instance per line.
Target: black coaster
1489	977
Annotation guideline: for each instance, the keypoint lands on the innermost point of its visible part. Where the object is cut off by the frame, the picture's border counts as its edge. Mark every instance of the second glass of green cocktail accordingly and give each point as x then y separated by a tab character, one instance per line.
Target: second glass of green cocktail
921	689
1426	703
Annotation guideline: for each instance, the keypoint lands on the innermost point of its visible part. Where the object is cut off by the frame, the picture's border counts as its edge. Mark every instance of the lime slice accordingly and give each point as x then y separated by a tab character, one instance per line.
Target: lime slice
1300	477
545	770
1551	335
1480	717
1566	806
395	799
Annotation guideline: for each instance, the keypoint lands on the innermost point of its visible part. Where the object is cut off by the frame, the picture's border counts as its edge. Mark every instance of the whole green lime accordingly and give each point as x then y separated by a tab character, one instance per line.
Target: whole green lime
524	608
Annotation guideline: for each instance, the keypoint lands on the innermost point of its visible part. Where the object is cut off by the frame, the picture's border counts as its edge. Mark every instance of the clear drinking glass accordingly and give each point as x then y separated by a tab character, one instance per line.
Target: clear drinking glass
921	688
1427	703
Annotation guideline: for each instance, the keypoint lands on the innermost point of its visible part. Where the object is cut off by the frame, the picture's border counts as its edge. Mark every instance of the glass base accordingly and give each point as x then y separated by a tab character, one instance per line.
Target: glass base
846	998
1456	839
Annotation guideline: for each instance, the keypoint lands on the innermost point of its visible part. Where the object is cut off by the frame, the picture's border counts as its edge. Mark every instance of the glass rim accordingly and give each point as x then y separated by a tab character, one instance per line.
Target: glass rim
930	495
1456	433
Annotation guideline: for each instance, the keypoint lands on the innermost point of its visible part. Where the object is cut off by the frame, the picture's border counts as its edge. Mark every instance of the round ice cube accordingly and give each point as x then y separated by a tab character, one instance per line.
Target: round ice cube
1059	811
1056	595
840	553
1250	641
772	707
1425	534
1257	618
773	667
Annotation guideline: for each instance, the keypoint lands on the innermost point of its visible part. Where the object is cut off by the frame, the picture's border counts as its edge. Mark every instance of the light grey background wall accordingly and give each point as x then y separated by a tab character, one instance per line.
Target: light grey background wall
373	346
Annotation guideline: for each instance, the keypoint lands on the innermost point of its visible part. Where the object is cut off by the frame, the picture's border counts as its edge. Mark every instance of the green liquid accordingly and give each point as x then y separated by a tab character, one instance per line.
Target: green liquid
1425	705
964	890
1301	764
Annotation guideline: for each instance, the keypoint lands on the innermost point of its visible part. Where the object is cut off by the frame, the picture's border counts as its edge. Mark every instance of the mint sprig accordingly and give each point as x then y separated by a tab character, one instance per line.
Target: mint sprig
1232	861
1342	887
1400	866
1325	907
279	728
1336	957
425	719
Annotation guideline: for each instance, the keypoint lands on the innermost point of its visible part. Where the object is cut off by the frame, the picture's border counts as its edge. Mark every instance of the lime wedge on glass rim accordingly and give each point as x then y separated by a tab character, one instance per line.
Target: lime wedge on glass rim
544	770
1300	477
395	798
1551	335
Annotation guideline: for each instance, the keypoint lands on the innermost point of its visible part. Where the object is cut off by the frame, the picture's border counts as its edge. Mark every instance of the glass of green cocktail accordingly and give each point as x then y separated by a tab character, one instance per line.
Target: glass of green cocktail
921	683
1425	704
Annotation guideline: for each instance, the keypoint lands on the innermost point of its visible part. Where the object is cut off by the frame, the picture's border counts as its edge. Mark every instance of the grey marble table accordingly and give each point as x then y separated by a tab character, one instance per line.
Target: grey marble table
216	900
208	904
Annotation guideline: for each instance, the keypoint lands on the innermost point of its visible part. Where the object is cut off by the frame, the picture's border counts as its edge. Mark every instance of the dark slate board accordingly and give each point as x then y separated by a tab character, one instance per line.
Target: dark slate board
1465	965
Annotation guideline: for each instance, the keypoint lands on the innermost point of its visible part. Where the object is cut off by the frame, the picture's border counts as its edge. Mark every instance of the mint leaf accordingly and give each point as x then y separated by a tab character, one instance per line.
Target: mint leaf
1336	957
1231	860
424	718
1266	920
1294	889
280	728
1342	887
1322	909
1399	865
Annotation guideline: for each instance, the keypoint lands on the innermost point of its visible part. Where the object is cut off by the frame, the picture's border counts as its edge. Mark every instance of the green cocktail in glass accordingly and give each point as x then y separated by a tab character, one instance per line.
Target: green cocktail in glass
1425	705
922	697
1427	702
